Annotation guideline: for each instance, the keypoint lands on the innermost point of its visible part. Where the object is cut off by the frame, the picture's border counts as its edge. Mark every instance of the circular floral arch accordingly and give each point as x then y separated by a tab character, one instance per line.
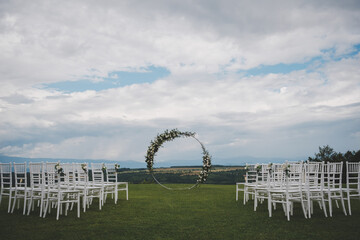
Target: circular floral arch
170	136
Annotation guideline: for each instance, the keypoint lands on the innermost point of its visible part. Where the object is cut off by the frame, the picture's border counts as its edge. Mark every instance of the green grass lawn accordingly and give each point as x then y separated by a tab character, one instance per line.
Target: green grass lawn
207	212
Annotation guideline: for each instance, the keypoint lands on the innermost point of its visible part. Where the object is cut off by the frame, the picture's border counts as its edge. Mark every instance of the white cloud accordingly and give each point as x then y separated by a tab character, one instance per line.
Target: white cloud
57	41
255	109
203	44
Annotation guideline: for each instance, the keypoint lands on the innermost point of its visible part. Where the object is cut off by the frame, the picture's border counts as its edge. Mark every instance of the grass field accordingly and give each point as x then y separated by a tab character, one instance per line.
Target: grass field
207	212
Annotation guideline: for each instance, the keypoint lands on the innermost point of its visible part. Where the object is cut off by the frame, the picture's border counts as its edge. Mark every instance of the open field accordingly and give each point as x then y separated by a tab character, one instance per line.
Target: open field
207	212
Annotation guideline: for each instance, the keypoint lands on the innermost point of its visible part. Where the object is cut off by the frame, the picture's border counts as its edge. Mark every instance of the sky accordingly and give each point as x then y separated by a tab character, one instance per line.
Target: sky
253	79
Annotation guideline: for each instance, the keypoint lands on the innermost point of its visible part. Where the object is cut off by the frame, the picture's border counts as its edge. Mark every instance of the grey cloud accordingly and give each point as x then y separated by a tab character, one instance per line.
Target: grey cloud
17	99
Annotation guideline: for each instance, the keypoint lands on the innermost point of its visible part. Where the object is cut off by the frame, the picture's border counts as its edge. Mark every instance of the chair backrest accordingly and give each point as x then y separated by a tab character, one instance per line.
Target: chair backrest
353	175
50	174
35	170
111	173
251	173
333	176
286	175
314	174
6	175
97	172
97	165
296	173
20	175
80	173
69	174
276	175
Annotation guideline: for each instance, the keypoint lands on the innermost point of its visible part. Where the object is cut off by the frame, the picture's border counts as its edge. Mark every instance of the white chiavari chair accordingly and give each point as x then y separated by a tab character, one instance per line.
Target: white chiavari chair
333	185
286	188
37	187
21	190
7	188
261	183
352	189
314	186
249	184
87	190
97	173
58	194
112	178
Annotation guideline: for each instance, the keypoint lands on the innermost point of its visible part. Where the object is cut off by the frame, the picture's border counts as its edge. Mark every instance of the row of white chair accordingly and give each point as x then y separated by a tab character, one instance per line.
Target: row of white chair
60	186
304	183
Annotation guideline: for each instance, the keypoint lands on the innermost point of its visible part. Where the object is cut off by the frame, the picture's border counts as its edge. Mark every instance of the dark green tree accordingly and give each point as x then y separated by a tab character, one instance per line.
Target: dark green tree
325	154
352	156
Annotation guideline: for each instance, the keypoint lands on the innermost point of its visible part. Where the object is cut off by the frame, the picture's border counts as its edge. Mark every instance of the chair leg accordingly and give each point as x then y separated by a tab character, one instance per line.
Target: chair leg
330	206
255	201
30	205
84	201
78	206
323	205
42	204
269	205
9	204
245	196
349	204
303	208
288	209
343	203
127	191
46	207
25	200
236	193
13	207
58	210
66	208
308	196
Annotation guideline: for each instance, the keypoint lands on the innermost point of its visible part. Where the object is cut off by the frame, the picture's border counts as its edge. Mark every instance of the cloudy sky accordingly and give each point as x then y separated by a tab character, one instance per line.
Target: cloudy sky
100	79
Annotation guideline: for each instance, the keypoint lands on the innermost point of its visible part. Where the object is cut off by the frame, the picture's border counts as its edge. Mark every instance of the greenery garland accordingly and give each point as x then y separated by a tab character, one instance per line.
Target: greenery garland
170	136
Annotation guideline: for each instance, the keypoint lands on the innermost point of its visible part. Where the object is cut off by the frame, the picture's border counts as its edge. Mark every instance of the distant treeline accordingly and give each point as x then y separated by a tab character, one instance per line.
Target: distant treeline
327	154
